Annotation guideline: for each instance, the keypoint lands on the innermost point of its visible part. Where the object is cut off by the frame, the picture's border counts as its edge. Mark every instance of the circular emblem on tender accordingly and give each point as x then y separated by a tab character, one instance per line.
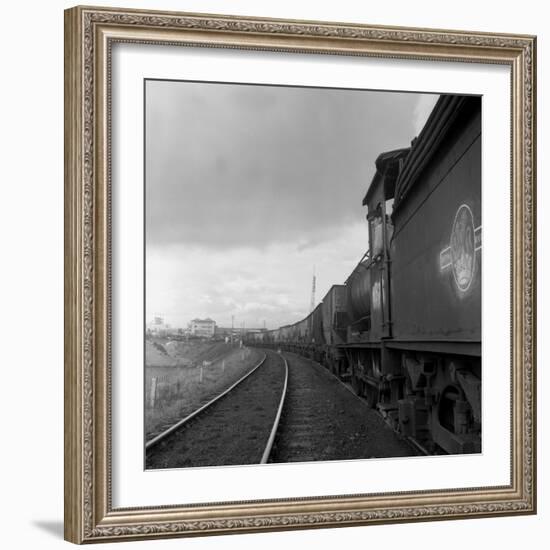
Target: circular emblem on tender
463	256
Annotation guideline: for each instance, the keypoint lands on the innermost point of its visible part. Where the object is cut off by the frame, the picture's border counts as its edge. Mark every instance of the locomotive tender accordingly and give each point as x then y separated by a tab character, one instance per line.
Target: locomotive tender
405	328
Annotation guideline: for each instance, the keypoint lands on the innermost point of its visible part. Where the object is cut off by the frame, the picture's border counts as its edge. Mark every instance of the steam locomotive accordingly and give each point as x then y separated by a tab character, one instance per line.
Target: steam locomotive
405	327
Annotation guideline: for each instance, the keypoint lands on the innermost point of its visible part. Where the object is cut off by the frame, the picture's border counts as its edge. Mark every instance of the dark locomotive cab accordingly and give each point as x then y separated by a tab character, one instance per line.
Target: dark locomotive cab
436	249
369	294
414	340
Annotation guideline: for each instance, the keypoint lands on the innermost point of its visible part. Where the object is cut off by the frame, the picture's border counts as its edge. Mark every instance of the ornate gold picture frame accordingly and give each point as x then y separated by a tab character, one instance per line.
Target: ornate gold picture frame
90	35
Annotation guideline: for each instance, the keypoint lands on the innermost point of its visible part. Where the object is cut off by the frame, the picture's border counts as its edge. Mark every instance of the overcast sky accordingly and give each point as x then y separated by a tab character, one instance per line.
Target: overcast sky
249	187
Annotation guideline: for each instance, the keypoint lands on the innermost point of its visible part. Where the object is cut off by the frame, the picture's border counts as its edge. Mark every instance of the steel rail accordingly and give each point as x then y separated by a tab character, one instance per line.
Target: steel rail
271	439
416	445
180	423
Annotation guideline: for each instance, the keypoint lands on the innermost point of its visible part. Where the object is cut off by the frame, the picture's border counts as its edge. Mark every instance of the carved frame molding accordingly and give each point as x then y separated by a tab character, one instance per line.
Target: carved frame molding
89	35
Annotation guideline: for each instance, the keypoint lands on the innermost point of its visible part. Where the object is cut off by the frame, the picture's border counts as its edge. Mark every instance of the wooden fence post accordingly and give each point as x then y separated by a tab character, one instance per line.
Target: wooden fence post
153	393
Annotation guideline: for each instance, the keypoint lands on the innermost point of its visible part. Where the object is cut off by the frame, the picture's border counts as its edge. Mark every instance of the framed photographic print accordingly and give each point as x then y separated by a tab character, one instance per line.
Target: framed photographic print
300	274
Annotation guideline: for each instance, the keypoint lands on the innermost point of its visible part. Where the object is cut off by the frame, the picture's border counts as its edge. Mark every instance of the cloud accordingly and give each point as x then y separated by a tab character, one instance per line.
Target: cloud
239	165
424	105
254	285
249	187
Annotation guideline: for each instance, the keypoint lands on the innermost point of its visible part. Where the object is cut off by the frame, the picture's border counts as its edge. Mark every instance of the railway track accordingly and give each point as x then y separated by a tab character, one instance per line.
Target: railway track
321	420
236	427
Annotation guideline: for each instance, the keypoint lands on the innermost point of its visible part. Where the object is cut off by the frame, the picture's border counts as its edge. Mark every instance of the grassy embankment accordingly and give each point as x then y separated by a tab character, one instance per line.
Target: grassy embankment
180	387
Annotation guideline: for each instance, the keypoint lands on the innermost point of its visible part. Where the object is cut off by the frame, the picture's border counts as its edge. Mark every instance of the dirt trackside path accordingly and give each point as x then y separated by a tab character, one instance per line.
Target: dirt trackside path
323	420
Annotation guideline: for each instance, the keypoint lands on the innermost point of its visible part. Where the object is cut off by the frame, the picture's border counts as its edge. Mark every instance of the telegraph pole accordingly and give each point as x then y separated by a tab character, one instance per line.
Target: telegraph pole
312	306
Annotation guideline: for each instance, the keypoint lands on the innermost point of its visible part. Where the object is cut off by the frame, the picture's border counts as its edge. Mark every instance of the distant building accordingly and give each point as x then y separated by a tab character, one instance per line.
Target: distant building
236	331
204	328
158	327
226	331
255	330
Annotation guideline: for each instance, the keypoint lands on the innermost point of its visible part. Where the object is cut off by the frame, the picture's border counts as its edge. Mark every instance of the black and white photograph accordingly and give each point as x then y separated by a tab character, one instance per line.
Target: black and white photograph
300	256
312	274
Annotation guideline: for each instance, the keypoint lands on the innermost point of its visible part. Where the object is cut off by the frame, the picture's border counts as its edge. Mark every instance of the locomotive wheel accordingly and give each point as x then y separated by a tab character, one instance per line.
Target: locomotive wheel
356	385
446	408
371	395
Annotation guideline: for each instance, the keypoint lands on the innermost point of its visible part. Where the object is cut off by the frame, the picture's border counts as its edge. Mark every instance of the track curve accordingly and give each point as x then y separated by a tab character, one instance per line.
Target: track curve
237	427
322	420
